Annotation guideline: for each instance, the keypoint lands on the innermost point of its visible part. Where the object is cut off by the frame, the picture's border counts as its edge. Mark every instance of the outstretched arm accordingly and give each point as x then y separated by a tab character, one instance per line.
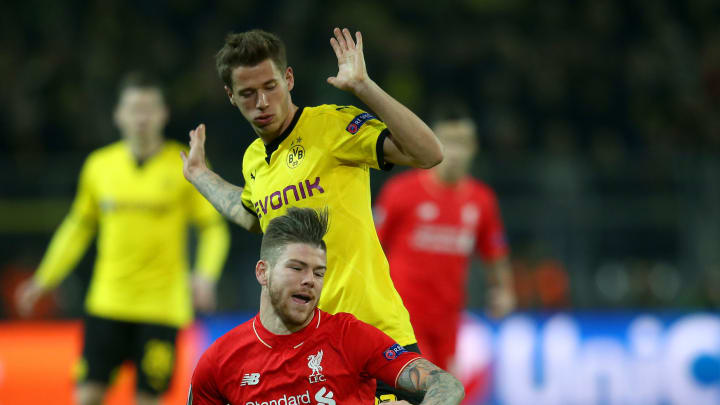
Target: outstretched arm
439	386
412	142
225	197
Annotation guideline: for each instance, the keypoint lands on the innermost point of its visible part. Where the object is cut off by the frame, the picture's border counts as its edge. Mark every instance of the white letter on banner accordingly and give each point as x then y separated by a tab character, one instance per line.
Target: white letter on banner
517	362
645	339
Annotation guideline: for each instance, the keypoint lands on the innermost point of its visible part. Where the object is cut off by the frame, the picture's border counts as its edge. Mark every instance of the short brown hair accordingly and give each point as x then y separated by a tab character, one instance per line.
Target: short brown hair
140	79
298	225
248	49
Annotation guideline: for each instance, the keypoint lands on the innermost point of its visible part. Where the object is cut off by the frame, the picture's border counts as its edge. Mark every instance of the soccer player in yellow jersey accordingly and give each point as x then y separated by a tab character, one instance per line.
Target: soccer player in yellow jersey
133	195
315	157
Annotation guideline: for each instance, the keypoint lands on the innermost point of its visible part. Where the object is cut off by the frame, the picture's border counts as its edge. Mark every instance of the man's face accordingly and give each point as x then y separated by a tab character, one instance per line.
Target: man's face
262	94
295	282
141	113
460	144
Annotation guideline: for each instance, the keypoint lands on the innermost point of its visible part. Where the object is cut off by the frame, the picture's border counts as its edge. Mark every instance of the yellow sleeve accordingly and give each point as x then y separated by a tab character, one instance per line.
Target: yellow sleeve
213	237
358	137
73	237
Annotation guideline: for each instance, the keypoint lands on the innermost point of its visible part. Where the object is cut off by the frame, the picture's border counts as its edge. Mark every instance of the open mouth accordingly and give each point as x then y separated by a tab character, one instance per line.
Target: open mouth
301	298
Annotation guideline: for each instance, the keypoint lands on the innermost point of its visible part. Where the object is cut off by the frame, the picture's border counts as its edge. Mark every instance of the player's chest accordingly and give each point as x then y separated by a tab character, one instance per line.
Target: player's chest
295	174
130	187
451	211
295	161
302	377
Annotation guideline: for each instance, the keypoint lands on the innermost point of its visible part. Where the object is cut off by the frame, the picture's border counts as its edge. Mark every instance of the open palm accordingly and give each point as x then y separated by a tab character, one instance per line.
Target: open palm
351	61
194	160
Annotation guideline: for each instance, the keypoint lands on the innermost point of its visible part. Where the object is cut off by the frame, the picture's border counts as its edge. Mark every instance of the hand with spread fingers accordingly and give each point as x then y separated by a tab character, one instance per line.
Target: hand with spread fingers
194	160
351	61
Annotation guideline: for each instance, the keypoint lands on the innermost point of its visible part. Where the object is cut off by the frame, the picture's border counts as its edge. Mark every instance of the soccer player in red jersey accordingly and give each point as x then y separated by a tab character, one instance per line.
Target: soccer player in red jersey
430	223
291	352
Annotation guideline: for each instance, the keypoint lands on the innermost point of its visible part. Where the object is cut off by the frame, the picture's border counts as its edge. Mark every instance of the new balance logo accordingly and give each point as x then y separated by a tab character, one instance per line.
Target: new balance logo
250	379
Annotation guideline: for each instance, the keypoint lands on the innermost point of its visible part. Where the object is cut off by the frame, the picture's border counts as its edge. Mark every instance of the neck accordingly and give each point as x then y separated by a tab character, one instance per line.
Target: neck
145	148
444	179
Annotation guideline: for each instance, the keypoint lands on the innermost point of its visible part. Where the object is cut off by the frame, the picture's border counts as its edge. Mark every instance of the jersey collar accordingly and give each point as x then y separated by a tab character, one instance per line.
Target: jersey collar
293	340
273	145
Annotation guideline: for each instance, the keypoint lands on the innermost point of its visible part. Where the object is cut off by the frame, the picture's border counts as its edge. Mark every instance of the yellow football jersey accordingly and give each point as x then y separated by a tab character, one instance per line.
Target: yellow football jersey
323	159
141	213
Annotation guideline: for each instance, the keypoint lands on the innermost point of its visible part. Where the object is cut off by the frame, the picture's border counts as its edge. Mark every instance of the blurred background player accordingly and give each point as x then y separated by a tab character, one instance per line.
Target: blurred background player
292	352
133	195
315	157
430	223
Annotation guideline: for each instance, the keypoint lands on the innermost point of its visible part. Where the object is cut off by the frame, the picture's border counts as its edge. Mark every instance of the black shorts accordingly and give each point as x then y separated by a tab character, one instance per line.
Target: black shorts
386	393
108	343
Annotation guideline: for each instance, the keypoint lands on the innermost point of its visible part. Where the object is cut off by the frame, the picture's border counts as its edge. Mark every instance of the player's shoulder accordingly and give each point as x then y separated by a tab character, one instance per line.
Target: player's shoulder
340	320
256	148
172	145
401	182
334	111
254	152
481	187
105	153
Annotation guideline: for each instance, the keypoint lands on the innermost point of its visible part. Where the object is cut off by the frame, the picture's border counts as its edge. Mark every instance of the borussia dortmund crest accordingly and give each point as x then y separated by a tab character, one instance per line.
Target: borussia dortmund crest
295	155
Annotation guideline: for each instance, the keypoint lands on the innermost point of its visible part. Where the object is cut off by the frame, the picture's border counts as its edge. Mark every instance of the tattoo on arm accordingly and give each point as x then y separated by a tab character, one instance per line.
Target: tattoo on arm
225	197
439	386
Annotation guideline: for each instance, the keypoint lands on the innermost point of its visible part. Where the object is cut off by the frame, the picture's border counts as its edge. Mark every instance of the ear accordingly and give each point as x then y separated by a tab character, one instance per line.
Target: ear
289	78
229	93
261	272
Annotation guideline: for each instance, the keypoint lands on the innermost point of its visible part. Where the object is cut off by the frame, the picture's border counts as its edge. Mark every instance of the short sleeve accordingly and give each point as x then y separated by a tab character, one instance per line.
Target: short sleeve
246	196
491	241
374	353
358	137
203	386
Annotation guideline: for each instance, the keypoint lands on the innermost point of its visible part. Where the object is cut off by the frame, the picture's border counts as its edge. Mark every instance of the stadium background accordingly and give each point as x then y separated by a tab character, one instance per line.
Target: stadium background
599	126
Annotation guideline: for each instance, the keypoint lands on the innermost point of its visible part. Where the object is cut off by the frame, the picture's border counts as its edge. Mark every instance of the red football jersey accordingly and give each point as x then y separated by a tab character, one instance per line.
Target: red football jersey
429	231
336	358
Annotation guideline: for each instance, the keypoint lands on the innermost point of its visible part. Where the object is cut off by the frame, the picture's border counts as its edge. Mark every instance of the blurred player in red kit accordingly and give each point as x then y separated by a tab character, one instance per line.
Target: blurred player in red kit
430	223
291	352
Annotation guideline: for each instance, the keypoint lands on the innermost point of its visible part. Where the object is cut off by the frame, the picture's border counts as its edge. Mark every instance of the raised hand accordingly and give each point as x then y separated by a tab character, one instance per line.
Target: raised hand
351	61
194	161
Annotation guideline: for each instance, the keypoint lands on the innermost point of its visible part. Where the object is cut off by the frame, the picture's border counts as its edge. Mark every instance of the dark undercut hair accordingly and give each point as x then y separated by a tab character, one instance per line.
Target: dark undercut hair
248	49
298	225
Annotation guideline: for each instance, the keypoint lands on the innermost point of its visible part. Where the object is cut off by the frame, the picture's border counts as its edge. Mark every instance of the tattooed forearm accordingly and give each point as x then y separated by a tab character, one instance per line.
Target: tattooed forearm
439	386
225	197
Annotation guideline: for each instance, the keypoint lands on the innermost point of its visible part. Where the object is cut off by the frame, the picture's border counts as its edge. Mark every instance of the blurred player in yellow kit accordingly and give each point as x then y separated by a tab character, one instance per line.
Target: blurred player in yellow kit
132	193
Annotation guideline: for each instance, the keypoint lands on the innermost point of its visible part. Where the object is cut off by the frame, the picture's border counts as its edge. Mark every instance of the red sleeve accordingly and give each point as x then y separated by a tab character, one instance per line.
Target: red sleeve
203	386
374	353
491	242
385	212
